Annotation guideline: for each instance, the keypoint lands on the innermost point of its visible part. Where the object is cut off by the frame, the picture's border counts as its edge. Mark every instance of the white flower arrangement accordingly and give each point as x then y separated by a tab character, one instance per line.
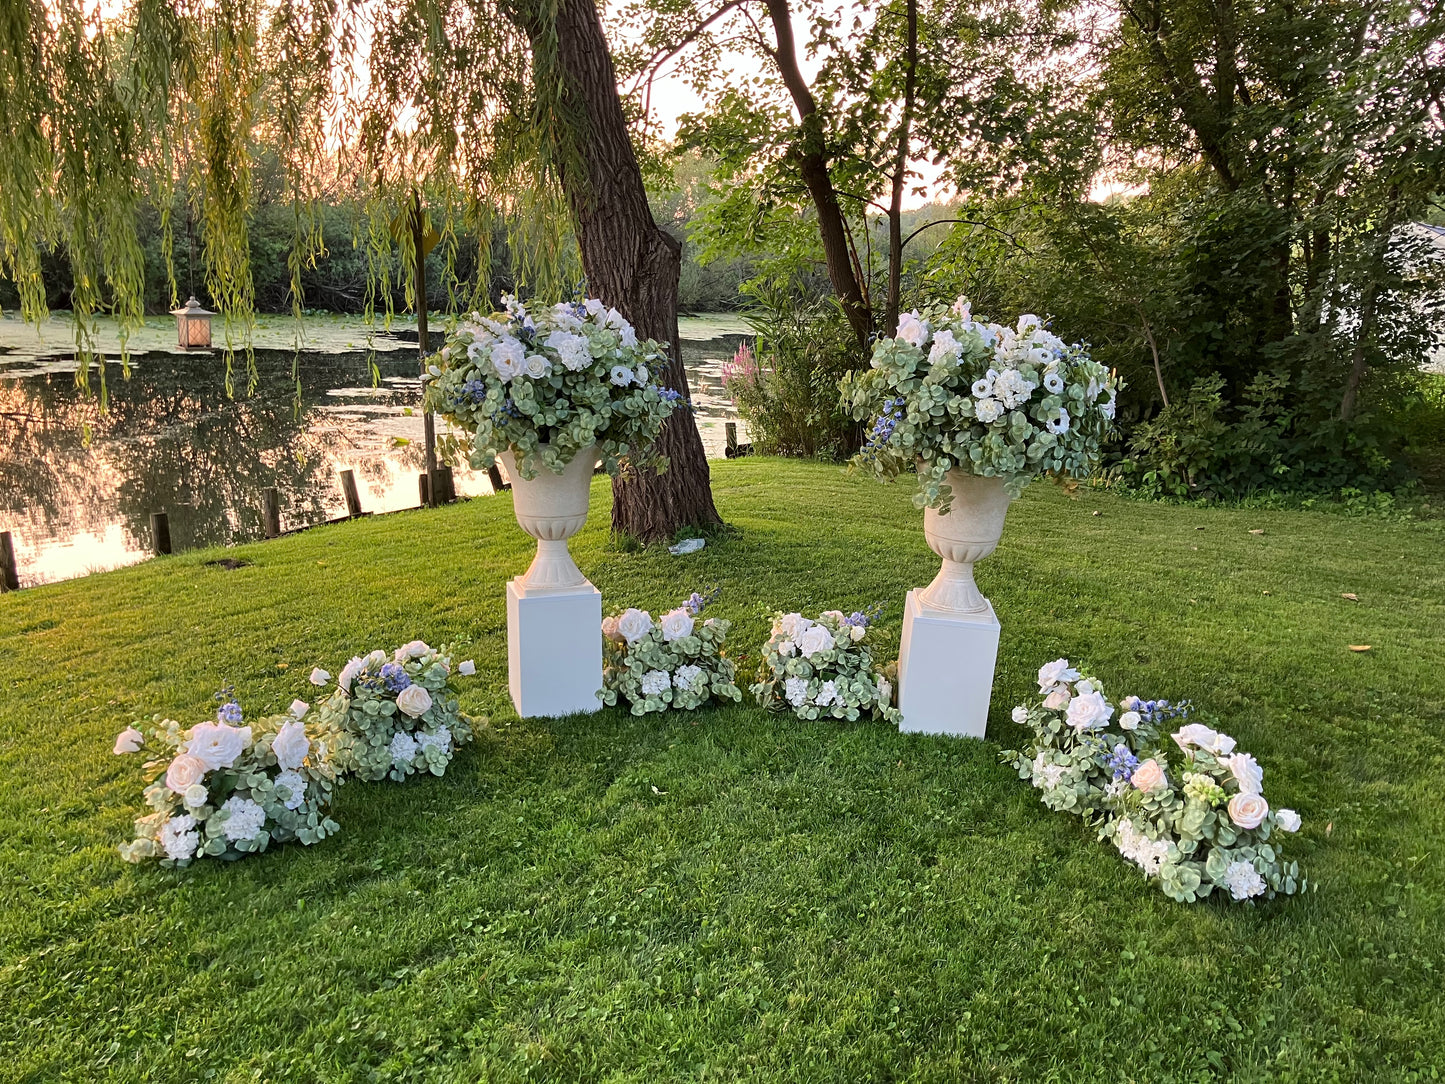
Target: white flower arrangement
396	714
1191	814
676	661
549	383
823	669
949	391
226	790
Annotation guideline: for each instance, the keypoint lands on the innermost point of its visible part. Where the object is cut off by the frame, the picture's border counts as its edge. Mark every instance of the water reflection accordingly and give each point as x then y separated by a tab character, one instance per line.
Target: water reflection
77	486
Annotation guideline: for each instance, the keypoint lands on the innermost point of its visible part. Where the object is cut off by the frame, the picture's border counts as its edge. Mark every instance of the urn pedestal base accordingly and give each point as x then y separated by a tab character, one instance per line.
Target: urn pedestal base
945	669
554	649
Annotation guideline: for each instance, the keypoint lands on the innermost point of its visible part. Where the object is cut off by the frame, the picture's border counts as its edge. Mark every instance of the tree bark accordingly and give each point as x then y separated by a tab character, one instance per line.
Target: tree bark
630	264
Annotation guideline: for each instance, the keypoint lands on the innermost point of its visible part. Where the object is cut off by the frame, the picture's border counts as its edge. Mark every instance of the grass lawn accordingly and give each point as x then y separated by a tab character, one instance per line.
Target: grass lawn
727	894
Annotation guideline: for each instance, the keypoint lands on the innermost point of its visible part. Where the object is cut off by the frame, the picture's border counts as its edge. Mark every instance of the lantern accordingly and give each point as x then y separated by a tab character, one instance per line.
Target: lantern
193	326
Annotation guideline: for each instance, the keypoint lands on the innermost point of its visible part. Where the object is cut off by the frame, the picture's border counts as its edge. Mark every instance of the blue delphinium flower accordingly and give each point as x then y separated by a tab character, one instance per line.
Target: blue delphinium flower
1122	763
883	427
394	677
669	395
864	618
697	602
230	710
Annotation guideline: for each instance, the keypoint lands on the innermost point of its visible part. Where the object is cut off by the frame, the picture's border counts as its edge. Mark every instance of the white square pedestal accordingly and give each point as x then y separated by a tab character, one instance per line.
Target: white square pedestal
554	650
945	670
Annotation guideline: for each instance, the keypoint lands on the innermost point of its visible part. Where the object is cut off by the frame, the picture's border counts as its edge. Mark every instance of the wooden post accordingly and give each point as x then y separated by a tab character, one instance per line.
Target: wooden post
348	490
428	422
271	512
446	486
731	430
9	570
494	472
160	534
423	489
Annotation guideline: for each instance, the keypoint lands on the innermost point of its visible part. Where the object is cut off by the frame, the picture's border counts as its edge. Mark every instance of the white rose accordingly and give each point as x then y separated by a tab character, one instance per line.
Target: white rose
467	668
1247	773
634	624
1089	712
676	624
629	336
319	676
1129	720
787	648
1248	810
291	745
856	633
376	659
836	615
791	625
414	701
537	366
509	358
129	740
414	650
615	320
1057	699
217	745
1286	820
1021	714
349	672
609	630
185	771
1056	673
299	708
1201	736
815	638
196	795
912	329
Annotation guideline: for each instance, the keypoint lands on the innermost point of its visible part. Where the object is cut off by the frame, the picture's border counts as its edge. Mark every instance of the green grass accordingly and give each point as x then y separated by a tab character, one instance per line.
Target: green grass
731	895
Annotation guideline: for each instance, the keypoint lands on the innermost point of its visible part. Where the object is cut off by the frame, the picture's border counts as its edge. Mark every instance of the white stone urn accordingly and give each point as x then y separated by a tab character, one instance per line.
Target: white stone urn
968	533
552	508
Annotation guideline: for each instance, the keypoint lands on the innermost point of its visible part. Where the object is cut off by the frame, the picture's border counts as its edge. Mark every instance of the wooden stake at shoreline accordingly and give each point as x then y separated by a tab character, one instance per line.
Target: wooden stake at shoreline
9	569
271	512
348	490
160	534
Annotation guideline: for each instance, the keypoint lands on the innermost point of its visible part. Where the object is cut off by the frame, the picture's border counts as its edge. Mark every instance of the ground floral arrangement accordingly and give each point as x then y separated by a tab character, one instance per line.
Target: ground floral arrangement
550	383
226	789
950	391
1190	812
673	662
823	669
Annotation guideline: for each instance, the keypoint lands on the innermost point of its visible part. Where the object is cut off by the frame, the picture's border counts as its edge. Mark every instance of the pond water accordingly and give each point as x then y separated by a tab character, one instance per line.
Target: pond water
78	485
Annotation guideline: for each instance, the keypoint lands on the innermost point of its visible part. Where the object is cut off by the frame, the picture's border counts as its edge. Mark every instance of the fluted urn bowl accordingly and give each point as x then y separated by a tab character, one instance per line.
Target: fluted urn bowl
969	532
552	508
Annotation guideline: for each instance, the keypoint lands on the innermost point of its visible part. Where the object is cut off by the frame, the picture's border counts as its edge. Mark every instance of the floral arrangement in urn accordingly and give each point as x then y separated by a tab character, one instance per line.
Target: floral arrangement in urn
675	661
1191	812
950	392
549	384
823	668
396	714
225	789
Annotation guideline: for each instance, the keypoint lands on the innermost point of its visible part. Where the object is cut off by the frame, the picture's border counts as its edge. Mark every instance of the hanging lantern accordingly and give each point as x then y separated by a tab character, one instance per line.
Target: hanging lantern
193	326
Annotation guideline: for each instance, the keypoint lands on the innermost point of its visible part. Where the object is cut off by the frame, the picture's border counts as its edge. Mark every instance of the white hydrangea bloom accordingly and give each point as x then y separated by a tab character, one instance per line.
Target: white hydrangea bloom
1243	881
796	691
402	748
655	683
441	739
945	346
1013	388
687	676
294	782
988	411
244	819
179	838
827	694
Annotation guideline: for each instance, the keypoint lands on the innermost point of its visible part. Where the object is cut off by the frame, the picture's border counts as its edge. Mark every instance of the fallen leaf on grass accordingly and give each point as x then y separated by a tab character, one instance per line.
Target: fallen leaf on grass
1352	598
1257	530
1098	513
1359	647
1269	592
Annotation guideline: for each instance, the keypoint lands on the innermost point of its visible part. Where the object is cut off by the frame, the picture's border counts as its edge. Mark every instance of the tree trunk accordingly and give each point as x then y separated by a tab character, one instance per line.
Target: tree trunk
811	155
630	264
900	177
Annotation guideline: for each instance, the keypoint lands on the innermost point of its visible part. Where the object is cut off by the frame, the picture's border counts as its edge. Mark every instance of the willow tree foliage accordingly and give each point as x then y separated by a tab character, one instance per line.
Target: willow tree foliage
486	110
